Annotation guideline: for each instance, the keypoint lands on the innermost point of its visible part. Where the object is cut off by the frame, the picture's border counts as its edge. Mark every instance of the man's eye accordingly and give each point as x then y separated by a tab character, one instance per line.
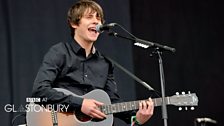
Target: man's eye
89	16
98	18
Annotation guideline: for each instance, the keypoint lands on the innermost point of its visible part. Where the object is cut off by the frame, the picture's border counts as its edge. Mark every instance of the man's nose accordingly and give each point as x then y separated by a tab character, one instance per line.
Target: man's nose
96	20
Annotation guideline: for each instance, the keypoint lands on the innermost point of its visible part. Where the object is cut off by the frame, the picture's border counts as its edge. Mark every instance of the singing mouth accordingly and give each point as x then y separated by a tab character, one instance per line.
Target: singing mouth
92	29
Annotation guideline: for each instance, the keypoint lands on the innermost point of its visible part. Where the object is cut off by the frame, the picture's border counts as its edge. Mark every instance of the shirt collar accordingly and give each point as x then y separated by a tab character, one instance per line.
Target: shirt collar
77	48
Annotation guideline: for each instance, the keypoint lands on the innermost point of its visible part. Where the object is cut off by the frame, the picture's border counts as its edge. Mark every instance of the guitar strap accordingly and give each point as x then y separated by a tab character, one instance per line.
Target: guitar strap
54	117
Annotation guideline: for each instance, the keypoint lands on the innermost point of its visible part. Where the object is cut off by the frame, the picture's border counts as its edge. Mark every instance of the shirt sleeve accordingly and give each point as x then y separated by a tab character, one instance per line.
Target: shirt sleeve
44	81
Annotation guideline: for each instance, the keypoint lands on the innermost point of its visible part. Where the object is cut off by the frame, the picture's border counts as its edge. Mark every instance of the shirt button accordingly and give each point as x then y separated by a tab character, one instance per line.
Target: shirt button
86	75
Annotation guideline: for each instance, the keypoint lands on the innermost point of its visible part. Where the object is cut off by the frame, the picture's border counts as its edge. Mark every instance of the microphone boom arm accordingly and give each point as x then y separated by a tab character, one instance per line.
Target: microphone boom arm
143	43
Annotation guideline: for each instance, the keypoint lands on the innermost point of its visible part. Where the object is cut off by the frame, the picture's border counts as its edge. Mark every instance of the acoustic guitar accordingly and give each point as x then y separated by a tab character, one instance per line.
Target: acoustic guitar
45	117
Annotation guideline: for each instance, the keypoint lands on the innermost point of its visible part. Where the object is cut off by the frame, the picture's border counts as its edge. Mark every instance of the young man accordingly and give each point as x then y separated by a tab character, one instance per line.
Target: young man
78	67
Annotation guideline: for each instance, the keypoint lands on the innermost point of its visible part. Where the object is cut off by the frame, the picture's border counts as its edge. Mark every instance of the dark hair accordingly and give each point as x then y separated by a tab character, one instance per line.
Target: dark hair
76	12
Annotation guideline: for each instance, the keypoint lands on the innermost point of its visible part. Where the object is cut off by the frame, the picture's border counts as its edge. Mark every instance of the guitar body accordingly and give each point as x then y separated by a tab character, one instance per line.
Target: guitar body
44	117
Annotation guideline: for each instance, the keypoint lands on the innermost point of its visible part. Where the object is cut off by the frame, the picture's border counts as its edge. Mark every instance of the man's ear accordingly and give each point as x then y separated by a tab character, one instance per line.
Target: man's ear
73	25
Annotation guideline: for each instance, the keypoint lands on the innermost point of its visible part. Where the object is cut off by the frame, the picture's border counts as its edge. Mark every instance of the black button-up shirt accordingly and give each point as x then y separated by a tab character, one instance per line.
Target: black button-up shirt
65	65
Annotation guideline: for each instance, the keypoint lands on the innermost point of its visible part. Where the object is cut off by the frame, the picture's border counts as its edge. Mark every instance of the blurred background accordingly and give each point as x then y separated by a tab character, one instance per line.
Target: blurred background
29	27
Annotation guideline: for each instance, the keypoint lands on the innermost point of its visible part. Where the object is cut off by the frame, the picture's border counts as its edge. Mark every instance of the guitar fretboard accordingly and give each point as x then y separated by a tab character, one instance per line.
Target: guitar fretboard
127	106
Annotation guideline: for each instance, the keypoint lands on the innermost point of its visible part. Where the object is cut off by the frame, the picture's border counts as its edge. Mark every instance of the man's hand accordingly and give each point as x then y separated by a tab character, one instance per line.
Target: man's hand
90	107
145	111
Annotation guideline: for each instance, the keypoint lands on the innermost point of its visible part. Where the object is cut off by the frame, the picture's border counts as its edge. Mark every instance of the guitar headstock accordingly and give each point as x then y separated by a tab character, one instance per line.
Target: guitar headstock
183	99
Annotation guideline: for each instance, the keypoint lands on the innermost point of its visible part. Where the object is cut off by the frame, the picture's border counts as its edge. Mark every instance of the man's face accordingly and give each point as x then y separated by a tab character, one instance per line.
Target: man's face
85	31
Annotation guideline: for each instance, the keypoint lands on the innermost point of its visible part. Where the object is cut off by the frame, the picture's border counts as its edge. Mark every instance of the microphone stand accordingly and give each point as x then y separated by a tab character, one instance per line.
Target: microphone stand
158	50
162	82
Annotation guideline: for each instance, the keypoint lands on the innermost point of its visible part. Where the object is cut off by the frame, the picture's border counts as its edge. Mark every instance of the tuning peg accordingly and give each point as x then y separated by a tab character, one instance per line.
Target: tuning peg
183	93
186	108
177	93
180	108
192	108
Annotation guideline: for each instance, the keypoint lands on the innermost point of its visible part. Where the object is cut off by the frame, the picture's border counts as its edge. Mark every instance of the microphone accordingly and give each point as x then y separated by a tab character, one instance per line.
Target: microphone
100	28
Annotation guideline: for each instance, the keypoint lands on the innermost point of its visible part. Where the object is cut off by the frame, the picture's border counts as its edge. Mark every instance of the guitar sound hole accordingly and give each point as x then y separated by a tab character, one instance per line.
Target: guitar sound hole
96	120
82	117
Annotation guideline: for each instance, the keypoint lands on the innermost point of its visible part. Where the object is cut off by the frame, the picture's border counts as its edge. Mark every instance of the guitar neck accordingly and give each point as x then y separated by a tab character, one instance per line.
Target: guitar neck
128	106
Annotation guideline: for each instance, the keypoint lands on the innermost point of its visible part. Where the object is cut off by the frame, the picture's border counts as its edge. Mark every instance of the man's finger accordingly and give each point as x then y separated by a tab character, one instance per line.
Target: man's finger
98	114
144	105
140	105
98	103
150	106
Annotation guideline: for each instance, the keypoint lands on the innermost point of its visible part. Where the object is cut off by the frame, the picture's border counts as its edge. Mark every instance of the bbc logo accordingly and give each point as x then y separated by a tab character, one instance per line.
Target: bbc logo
32	99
